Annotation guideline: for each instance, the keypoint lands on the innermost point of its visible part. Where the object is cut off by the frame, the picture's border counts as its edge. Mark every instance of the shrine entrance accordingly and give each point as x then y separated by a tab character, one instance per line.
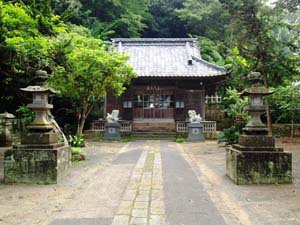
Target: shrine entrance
154	103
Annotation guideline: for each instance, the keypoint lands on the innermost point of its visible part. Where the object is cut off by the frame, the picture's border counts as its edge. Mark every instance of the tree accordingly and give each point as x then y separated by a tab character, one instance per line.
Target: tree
126	18
287	99
258	32
163	20
89	72
205	18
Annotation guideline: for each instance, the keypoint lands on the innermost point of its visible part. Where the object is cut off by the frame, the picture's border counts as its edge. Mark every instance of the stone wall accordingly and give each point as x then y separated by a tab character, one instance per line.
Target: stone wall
284	130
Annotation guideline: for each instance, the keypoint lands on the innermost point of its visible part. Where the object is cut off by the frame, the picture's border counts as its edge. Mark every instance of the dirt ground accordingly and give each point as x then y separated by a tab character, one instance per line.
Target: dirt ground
38	204
253	204
75	197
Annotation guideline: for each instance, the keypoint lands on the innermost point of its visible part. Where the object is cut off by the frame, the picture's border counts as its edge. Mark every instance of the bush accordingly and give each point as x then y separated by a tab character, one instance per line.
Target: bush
76	141
180	140
77	154
230	135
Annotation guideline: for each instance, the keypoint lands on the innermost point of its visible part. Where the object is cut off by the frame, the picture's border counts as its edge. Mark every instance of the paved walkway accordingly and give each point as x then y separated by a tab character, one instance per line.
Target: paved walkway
144	183
163	189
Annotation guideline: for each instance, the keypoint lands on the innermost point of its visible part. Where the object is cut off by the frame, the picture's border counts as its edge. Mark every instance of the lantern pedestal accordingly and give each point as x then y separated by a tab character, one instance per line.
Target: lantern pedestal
112	132
39	159
195	132
255	159
258	167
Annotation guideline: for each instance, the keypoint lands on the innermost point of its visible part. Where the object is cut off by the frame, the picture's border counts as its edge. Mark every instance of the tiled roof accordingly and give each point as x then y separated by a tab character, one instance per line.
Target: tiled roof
166	57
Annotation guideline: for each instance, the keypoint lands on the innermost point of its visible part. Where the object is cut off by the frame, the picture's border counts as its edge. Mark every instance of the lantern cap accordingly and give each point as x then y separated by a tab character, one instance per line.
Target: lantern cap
39	89
7	115
261	91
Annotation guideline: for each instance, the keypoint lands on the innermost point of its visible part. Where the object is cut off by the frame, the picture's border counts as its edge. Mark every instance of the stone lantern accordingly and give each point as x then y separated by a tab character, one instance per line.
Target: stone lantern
40	158
255	159
40	107
5	135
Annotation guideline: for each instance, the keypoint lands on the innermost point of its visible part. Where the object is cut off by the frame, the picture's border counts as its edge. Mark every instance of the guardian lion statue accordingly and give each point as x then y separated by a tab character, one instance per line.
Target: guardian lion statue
113	117
194	117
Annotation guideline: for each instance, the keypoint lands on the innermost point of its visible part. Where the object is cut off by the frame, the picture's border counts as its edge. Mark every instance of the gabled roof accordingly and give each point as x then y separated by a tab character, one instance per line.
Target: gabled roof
166	57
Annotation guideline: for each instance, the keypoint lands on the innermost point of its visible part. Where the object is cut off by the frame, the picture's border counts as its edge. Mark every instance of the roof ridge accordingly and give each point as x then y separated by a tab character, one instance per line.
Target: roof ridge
209	64
153	39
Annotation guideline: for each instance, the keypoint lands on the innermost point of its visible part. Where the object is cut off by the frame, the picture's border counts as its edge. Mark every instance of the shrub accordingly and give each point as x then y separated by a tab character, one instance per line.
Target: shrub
77	154
76	141
180	140
230	135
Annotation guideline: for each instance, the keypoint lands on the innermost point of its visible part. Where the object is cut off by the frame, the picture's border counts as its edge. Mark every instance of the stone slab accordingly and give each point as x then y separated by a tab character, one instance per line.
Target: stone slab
36	166
83	221
130	157
258	167
186	200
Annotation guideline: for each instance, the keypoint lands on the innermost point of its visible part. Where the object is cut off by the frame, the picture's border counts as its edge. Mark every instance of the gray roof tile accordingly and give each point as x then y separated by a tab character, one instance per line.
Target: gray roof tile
166	57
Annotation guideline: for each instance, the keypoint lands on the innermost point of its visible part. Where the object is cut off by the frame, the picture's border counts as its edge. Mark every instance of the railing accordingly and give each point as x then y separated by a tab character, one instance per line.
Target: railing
208	126
125	125
213	99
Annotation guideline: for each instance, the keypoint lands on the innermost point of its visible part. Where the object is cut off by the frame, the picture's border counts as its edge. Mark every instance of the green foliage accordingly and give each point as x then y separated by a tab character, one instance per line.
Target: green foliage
205	18
210	50
230	135
163	20
76	141
77	154
76	150
240	68
180	140
286	101
234	104
88	70
26	114
125	18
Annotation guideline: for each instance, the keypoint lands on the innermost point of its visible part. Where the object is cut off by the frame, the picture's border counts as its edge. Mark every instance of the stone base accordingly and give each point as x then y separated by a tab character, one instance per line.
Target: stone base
39	165
257	141
258	167
112	132
39	138
195	132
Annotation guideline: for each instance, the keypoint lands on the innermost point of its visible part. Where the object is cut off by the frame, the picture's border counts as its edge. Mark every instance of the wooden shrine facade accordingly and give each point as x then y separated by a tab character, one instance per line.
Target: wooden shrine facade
172	79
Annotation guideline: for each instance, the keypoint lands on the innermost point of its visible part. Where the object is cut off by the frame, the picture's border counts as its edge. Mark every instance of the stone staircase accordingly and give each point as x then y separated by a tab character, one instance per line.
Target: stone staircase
152	129
154	135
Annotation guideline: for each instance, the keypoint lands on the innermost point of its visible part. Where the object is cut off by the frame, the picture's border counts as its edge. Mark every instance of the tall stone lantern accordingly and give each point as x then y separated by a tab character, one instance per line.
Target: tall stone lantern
255	159
5	135
40	158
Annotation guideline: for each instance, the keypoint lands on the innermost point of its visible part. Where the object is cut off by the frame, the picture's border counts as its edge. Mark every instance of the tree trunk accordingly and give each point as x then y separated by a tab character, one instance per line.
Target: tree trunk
81	122
86	109
267	103
292	124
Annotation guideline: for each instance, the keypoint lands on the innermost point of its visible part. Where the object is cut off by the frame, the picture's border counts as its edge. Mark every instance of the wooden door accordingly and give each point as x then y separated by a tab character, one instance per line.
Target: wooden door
154	104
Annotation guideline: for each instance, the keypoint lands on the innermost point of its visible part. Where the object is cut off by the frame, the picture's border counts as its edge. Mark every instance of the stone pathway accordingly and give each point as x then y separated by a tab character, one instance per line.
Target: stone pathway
187	201
142	202
163	176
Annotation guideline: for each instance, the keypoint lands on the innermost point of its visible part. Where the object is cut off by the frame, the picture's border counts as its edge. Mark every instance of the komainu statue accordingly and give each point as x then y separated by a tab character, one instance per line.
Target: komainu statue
194	117
113	117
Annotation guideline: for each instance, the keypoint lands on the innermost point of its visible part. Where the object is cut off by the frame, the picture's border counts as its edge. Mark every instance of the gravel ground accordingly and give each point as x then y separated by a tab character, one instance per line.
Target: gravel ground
252	204
93	190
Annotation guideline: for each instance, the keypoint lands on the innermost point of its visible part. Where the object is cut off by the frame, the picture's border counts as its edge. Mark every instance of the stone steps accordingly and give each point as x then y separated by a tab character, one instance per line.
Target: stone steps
154	135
